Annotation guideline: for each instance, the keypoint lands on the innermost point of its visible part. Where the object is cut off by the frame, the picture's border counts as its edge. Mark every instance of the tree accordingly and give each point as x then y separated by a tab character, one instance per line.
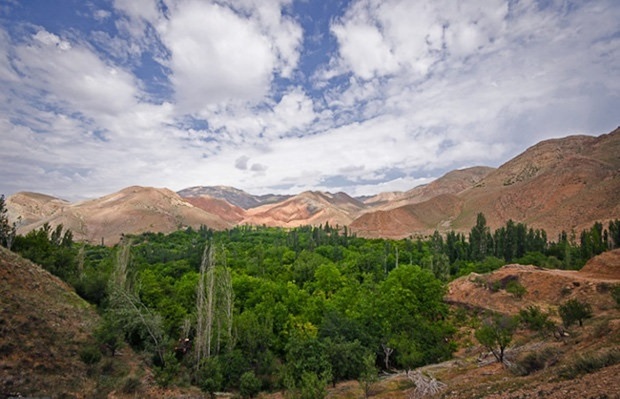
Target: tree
139	323
573	311
214	304
479	239
369	375
4	221
496	334
249	385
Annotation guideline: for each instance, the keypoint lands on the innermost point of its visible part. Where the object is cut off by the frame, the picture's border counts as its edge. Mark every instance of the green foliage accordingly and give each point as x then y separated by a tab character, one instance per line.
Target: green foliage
496	333
210	378
369	374
249	385
573	311
615	294
108	335
535	361
90	354
166	373
131	385
52	249
516	288
535	319
311	386
8	231
309	302
585	364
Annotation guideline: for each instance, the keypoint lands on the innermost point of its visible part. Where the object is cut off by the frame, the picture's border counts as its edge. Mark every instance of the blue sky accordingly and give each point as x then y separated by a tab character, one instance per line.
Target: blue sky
284	96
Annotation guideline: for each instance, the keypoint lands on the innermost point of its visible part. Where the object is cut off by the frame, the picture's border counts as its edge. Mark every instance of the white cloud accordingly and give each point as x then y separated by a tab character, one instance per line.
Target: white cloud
73	75
413	88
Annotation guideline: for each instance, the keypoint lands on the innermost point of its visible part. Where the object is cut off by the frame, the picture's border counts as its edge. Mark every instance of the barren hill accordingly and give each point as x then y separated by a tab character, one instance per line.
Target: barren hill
406	220
451	183
559	184
556	185
32	207
310	207
230	213
132	210
43	326
233	196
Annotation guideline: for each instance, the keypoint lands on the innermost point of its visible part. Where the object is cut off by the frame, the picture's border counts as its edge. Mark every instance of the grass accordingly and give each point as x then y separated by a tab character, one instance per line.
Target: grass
590	363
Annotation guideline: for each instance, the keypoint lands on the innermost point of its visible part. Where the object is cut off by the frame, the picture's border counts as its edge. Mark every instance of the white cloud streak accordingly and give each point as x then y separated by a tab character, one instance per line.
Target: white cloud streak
413	89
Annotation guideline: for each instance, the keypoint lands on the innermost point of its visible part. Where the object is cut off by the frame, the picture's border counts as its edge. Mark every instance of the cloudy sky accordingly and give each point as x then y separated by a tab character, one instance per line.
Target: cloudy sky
288	95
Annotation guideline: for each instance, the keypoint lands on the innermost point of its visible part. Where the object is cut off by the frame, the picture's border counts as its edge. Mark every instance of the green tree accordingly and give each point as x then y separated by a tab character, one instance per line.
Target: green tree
369	375
573	311
249	385
496	333
479	239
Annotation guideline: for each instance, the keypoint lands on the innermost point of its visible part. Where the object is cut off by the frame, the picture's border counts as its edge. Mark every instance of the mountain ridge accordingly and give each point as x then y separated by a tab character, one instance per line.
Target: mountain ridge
558	184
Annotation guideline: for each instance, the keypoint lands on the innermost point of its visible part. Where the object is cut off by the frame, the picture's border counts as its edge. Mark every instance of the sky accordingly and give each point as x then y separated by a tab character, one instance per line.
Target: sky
283	96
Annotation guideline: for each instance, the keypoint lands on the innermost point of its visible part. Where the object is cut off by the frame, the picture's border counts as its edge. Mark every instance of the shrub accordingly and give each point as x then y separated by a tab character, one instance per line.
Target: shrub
615	293
249	385
535	319
534	361
90	354
516	288
131	385
573	311
590	363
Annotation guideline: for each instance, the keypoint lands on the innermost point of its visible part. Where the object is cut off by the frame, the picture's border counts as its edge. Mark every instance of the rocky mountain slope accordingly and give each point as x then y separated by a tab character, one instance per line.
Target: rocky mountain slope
233	196
560	184
310	207
132	210
556	185
451	183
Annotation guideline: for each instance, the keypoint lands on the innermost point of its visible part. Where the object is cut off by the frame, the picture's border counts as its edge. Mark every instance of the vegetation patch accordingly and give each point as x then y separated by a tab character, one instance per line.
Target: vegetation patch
590	363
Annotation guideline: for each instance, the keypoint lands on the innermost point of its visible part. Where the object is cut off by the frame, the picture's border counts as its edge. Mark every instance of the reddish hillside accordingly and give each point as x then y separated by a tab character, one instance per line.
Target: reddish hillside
309	207
132	210
451	183
230	213
409	220
556	185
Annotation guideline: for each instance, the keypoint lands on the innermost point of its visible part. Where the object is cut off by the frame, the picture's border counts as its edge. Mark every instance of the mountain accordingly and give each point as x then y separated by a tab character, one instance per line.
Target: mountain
132	210
32	207
559	184
310	207
233	196
451	183
227	211
397	223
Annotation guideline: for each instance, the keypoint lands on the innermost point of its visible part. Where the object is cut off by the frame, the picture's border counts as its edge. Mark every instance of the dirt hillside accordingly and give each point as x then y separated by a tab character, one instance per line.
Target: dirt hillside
43	327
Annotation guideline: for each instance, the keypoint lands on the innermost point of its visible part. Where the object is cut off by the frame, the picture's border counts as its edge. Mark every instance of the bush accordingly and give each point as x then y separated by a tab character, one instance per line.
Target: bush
515	288
131	385
534	361
249	385
615	293
573	311
590	363
535	319
90	354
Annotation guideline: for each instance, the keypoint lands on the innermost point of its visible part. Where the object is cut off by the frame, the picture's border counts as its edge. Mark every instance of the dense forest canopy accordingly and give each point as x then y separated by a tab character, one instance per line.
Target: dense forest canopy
266	308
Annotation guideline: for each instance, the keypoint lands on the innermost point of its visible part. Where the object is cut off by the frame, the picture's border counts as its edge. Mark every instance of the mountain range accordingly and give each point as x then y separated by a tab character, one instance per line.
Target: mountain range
559	184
